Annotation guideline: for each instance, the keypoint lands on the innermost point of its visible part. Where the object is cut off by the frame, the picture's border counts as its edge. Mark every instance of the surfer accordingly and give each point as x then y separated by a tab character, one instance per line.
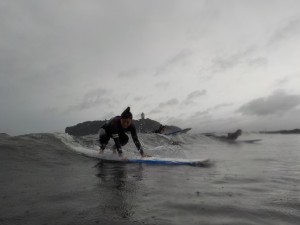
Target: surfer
161	129
116	128
230	136
234	135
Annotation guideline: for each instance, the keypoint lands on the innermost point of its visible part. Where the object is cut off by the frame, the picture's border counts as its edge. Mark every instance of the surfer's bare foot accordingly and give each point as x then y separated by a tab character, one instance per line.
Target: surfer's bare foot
114	149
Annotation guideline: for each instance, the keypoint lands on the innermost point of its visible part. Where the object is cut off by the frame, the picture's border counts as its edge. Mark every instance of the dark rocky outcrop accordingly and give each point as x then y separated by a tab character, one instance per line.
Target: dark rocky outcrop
4	136
146	125
92	127
294	131
85	128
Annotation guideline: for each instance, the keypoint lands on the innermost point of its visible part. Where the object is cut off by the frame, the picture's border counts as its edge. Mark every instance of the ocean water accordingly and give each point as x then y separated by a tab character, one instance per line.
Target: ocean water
52	179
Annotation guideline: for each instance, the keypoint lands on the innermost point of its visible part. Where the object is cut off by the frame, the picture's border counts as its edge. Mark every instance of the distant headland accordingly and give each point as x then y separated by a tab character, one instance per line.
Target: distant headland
294	131
143	126
92	127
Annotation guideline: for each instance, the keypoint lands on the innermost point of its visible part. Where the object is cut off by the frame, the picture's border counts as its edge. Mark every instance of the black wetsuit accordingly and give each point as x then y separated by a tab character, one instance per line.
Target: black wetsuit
113	129
230	136
233	136
159	130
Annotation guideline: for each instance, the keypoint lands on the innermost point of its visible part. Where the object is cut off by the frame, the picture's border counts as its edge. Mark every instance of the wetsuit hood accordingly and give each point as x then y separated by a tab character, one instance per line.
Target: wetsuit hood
126	114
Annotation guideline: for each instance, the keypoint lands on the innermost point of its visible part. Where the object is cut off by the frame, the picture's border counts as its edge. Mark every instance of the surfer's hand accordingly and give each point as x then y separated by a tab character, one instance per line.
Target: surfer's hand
145	155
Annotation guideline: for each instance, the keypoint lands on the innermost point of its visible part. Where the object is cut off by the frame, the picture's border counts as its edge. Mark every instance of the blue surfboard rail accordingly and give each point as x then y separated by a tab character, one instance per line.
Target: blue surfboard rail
199	163
250	141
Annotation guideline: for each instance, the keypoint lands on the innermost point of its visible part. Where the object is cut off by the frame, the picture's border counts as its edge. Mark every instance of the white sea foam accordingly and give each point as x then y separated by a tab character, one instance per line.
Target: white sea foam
154	145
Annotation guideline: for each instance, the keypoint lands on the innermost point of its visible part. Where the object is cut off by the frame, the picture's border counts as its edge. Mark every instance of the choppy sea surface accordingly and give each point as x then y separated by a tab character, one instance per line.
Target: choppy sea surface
51	179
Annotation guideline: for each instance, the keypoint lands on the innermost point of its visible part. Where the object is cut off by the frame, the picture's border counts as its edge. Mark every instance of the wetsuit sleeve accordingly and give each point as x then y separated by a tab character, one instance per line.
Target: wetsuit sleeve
135	138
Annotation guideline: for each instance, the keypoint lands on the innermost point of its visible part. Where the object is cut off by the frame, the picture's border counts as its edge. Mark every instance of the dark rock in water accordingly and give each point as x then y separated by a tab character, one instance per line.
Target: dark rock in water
294	131
92	127
4	135
85	128
146	125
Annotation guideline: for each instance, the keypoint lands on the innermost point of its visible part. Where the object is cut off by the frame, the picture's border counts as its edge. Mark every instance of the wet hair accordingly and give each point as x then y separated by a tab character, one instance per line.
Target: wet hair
126	114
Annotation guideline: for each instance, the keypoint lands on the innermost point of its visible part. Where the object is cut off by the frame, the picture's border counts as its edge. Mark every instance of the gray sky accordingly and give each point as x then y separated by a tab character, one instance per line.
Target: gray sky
210	65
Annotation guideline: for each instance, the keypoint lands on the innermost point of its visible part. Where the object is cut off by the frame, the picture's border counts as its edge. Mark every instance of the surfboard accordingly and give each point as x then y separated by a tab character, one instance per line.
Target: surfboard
153	160
249	141
224	138
179	131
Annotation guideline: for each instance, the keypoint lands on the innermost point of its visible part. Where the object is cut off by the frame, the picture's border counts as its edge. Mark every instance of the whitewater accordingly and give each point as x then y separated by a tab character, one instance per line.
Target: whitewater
58	179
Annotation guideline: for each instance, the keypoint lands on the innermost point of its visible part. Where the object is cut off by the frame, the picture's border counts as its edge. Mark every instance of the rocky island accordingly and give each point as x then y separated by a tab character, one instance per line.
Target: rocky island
294	131
92	127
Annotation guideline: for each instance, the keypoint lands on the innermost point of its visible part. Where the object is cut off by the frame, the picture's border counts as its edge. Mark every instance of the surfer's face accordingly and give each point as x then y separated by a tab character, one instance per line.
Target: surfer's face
125	123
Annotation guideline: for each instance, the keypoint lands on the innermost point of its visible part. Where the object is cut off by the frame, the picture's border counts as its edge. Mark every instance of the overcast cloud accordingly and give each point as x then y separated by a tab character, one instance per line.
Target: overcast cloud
210	65
192	97
277	103
285	31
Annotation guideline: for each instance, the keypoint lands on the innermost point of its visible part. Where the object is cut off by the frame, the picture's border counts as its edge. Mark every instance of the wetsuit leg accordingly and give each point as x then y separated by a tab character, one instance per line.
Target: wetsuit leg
103	138
123	139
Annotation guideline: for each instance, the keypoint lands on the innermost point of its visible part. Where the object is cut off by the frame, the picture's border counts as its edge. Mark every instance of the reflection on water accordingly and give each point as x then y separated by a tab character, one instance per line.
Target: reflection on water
118	185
